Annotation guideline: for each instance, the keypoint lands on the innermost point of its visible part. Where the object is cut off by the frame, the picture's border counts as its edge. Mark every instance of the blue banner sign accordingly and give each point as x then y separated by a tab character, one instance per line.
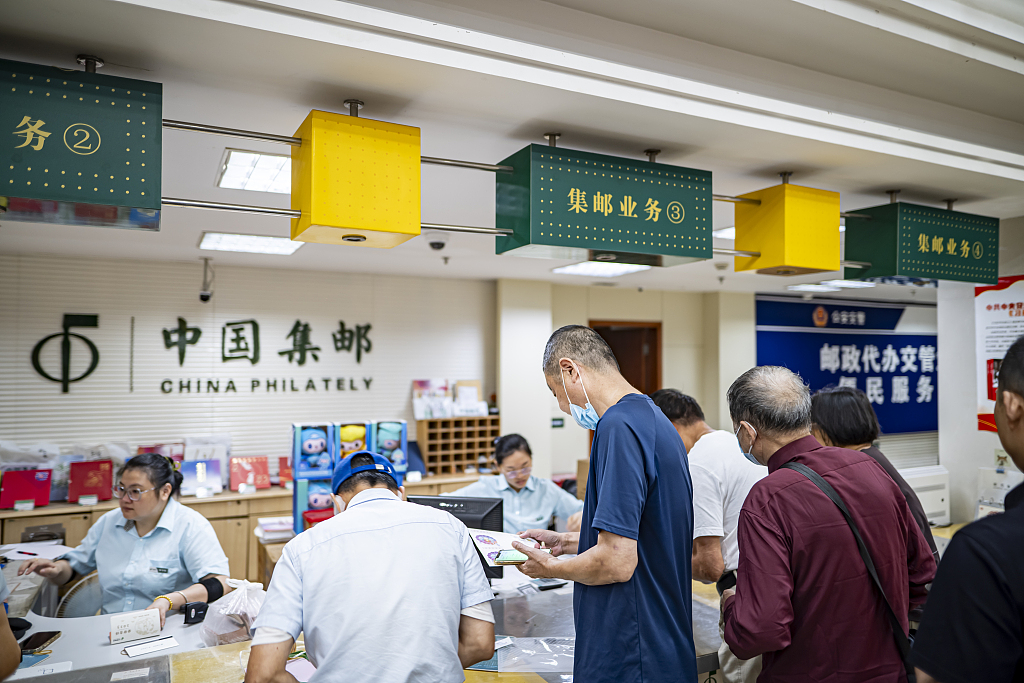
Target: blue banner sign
858	345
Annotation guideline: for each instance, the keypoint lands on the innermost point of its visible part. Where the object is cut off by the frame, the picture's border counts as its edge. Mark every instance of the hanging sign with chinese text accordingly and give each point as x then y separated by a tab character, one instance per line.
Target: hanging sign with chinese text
925	242
79	148
565	204
888	351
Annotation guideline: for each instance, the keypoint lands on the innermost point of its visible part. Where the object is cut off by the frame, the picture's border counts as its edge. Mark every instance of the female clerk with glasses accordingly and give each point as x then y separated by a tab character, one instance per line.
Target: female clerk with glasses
529	502
152	552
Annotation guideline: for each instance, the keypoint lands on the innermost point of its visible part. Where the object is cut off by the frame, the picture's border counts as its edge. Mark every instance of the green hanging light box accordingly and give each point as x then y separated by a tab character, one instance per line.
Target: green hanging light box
79	148
924	242
565	204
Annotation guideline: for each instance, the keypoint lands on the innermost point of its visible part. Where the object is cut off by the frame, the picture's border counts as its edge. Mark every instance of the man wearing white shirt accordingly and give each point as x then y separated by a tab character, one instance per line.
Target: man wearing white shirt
384	591
722	477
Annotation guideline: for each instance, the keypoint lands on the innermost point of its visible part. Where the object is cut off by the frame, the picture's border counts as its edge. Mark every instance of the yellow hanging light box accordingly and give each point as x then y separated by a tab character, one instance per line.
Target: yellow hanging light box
796	230
356	181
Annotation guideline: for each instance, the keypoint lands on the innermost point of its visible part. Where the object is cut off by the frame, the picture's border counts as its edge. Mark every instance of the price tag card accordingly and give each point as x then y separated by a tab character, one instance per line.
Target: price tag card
91	499
25	505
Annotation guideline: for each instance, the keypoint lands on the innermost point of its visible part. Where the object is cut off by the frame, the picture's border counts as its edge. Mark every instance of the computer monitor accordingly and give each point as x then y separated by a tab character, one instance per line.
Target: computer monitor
475	513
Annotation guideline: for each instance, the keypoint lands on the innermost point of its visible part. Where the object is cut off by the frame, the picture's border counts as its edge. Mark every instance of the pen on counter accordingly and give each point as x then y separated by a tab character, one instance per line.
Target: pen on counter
23	552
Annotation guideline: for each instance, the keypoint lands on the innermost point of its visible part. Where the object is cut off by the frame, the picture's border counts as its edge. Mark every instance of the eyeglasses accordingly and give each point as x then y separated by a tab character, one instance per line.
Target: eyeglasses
515	474
132	494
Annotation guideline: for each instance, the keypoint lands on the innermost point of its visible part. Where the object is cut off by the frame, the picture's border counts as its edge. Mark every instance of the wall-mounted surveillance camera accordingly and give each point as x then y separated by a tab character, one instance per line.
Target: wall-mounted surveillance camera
436	240
206	290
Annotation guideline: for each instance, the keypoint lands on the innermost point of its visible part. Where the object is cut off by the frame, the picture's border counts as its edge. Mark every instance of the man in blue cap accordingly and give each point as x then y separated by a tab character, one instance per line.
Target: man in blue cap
383	591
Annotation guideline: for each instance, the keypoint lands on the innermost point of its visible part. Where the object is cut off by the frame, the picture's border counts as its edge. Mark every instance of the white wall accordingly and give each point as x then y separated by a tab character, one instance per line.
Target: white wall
962	448
524	325
421	328
730	349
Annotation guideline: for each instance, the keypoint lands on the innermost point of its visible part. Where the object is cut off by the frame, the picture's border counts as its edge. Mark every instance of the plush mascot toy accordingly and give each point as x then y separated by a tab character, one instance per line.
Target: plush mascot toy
314	449
319	496
389	444
353	438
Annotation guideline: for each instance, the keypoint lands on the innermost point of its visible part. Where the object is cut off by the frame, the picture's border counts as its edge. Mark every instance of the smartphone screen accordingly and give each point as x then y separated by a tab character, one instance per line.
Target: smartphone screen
510	557
38	641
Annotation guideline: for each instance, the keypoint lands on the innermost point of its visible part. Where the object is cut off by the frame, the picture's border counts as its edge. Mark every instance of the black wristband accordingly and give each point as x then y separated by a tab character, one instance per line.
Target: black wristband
214	588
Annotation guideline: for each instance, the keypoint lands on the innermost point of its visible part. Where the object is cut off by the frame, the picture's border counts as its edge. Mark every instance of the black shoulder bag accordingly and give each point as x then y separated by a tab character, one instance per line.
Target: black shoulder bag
902	642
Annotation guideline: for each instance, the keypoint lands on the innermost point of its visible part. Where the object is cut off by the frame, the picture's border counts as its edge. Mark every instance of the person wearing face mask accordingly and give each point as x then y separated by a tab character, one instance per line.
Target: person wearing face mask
151	552
632	600
385	590
528	501
805	598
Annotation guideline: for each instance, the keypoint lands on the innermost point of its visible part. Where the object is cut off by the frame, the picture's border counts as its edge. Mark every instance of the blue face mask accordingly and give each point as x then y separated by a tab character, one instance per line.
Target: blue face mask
747	454
585	417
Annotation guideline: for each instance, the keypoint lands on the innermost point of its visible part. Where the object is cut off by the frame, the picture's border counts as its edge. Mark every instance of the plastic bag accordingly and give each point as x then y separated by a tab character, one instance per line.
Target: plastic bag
230	619
538	655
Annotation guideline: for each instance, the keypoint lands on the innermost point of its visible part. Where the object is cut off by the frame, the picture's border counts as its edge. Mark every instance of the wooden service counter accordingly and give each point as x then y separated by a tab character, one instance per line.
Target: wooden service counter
232	515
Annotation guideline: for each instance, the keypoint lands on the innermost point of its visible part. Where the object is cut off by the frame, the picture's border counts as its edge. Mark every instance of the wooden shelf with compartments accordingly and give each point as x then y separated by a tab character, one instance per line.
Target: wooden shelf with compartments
450	444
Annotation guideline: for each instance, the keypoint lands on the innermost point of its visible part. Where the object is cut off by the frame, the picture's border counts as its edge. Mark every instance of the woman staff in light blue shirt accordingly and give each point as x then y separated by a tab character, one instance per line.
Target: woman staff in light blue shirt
529	502
151	552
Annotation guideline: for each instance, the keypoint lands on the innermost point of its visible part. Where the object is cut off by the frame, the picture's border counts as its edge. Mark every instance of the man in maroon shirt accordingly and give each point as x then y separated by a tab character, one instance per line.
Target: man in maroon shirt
804	599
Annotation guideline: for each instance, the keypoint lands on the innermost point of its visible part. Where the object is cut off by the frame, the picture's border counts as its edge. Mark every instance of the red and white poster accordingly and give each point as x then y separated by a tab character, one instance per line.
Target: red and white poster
998	322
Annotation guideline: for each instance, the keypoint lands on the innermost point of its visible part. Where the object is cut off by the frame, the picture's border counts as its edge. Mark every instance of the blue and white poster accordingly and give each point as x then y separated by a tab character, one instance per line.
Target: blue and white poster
888	351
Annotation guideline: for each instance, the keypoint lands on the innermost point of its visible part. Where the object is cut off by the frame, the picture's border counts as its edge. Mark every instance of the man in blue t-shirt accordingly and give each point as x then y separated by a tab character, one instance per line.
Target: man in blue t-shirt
632	599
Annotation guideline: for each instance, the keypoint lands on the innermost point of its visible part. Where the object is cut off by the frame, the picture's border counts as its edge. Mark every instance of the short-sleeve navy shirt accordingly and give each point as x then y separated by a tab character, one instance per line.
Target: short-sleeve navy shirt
638	487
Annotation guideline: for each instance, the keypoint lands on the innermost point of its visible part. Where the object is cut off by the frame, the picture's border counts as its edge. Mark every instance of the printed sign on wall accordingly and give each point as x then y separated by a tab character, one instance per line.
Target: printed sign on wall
858	345
998	322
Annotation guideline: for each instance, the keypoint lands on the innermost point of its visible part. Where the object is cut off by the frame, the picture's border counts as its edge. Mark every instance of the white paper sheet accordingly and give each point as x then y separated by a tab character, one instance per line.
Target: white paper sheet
49	550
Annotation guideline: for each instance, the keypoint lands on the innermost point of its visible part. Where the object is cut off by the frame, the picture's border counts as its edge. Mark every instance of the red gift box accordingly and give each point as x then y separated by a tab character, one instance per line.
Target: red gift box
87	478
314	517
18	485
250	471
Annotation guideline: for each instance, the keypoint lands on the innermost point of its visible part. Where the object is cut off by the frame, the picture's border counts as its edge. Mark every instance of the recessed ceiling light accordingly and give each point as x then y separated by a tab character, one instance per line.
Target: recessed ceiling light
600	269
848	284
256	171
812	288
725	233
253	244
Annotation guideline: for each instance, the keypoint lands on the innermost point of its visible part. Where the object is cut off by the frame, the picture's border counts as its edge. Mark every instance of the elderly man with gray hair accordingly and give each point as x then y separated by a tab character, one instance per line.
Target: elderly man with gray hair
805	597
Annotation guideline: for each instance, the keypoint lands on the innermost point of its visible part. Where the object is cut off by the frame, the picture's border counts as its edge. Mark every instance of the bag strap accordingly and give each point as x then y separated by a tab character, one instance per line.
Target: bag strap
902	642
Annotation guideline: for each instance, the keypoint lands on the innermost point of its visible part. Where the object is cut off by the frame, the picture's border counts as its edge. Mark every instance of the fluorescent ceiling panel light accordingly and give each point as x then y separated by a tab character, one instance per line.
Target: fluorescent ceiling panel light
848	284
252	244
600	269
256	171
725	233
812	288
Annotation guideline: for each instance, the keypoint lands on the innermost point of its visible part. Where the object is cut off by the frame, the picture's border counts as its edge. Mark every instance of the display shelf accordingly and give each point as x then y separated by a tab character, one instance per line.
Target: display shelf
449	445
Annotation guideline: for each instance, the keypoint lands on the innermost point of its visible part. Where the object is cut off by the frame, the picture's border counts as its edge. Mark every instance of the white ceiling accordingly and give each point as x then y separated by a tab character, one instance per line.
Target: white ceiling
233	64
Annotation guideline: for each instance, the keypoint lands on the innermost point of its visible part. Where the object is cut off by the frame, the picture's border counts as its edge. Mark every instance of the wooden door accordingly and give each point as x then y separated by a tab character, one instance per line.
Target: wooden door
234	540
637	347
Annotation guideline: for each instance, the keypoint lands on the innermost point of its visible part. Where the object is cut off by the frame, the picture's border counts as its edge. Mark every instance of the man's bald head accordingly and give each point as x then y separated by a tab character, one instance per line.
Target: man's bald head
580	344
773	400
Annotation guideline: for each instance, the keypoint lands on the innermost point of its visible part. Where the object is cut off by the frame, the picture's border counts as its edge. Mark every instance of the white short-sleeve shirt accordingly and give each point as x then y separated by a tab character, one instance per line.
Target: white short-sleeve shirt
722	478
178	552
377	592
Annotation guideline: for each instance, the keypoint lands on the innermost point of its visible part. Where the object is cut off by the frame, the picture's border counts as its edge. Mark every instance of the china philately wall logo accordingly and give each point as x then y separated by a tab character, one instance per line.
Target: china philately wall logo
65	379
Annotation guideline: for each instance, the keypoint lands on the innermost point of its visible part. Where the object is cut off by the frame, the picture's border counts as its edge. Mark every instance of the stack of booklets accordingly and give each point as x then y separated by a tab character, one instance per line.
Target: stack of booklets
276	529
